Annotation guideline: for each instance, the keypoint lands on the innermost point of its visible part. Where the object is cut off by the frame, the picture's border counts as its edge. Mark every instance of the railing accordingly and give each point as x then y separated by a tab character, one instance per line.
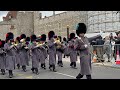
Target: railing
105	52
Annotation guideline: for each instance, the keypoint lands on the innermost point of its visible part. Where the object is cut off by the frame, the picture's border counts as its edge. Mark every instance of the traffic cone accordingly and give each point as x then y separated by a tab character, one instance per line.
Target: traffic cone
94	57
117	58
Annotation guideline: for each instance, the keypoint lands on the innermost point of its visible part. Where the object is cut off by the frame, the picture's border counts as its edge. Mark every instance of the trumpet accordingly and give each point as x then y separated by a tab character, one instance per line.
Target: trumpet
14	45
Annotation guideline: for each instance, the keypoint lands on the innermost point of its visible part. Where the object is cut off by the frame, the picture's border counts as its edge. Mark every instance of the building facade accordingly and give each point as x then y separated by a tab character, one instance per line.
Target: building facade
31	22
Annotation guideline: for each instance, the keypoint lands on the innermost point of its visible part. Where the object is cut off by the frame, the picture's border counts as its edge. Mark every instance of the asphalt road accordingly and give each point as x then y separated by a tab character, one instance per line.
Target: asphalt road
65	72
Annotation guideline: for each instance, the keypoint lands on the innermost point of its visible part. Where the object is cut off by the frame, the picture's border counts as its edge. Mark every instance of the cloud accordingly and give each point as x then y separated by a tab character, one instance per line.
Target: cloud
2	14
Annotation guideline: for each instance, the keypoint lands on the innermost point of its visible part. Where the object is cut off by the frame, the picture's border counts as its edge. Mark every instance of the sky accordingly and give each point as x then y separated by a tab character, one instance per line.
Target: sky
44	13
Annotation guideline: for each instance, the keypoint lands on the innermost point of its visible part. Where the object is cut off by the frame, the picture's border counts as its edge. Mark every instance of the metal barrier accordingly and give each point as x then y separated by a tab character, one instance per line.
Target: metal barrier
105	52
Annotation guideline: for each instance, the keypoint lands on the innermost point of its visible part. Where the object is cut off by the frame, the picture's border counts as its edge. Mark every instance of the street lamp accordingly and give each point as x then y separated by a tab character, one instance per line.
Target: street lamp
67	32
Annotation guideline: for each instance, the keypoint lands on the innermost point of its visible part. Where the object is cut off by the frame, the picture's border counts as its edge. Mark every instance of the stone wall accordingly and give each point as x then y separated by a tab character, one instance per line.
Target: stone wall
59	22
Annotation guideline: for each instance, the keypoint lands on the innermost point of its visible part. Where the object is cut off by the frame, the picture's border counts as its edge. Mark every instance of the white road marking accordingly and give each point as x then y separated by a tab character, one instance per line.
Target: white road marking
65	75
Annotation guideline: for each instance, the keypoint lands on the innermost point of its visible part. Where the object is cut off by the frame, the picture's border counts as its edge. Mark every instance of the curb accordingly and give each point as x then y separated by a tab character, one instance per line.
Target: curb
111	66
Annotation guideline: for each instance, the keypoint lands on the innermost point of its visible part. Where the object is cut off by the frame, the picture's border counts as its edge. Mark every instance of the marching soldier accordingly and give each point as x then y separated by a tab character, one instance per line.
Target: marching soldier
52	50
10	53
34	54
82	44
60	51
2	57
43	50
24	60
73	52
17	43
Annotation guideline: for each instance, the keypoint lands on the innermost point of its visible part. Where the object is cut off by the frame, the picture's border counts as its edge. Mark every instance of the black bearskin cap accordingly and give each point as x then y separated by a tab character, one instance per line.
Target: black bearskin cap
81	28
60	38
18	39
23	36
72	35
2	42
64	39
43	37
27	39
51	34
33	37
9	36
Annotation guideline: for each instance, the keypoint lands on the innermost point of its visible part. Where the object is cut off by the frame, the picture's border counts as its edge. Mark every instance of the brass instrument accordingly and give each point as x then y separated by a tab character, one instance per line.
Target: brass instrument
59	44
23	42
14	45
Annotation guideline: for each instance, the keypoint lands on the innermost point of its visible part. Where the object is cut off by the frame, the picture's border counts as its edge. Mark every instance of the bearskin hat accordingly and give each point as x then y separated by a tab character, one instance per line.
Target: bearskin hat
51	34
9	36
64	39
81	28
43	37
33	38
27	39
55	36
2	42
22	36
60	38
72	35
18	39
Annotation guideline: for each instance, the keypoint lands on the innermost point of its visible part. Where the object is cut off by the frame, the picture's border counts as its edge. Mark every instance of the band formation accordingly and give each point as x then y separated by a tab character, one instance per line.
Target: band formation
18	52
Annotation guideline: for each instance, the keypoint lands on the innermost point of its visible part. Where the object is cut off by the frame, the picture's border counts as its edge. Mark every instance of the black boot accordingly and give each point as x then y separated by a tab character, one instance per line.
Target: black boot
36	71
50	67
88	77
41	65
54	68
24	68
10	74
71	64
18	65
44	66
74	65
58	63
33	69
61	63
64	56
79	76
3	71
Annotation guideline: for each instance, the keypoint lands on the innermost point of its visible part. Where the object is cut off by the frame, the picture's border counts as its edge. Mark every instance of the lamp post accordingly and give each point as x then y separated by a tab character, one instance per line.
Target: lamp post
67	32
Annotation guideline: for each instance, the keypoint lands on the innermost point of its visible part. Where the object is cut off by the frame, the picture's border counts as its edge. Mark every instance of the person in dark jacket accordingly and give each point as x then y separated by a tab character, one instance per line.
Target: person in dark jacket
99	48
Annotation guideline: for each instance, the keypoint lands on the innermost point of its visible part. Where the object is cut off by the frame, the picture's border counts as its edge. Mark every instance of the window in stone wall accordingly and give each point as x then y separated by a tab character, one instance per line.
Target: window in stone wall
96	19
115	25
114	17
103	18
108	17
103	26
108	26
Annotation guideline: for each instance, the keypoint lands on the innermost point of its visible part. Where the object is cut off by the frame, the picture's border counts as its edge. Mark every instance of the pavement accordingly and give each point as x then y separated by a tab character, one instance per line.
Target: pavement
99	71
111	64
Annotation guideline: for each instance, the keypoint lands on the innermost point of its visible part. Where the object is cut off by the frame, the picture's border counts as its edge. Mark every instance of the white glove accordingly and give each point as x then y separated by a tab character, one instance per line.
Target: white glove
86	45
79	38
11	46
26	47
55	42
